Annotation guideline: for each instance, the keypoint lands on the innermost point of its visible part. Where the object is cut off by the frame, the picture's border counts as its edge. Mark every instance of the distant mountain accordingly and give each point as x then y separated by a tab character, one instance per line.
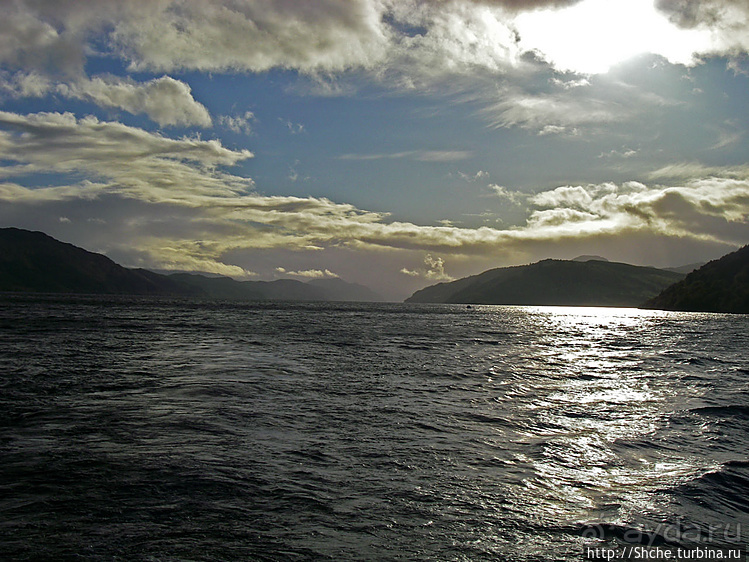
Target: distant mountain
231	289
689	268
281	289
36	262
555	282
719	286
589	258
344	291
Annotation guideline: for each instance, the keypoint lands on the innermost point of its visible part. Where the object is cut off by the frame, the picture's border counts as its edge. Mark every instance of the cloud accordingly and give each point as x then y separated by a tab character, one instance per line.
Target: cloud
434	270
458	38
294	128
469	47
552	113
689	170
555	108
724	21
707	208
183	255
710	13
171	204
25	84
33	42
625	153
207	35
60	142
729	133
525	5
398	42
564	37
514	197
309	273
418	155
320	40
472	178
238	123
253	35
165	100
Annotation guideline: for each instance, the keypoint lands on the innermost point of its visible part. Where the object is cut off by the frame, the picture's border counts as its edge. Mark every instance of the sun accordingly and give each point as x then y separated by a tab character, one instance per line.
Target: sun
592	36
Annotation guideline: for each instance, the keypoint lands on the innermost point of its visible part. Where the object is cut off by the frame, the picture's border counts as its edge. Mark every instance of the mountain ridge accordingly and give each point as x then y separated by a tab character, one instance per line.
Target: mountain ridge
555	282
32	261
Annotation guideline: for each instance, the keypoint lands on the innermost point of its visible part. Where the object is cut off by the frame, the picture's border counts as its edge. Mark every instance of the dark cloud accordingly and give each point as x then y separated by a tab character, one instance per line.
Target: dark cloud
688	13
693	13
517	5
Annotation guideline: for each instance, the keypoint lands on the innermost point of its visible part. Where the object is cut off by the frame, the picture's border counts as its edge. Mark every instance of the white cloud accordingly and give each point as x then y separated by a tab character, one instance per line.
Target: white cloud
702	208
309	273
60	140
571	84
401	42
25	84
726	22
624	153
184	255
294	128
168	203
729	133
238	123
552	113
31	40
165	100
253	35
689	170
594	35
433	270
458	38
118	158
514	197
472	178
426	45
418	155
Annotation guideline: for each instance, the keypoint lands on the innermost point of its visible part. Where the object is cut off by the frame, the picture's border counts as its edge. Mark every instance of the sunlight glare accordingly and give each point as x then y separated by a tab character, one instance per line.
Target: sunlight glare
594	35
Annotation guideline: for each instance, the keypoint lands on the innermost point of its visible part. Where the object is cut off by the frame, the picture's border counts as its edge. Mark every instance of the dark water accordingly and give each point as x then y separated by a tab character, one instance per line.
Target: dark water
135	429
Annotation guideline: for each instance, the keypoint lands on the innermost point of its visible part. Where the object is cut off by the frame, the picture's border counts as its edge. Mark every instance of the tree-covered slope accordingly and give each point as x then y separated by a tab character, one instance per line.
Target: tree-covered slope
555	282
719	286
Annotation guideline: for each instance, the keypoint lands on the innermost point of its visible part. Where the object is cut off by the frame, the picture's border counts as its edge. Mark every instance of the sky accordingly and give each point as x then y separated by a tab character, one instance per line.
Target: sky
393	143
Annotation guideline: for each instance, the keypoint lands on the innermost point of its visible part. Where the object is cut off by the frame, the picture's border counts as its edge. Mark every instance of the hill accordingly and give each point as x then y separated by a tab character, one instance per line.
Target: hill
719	286
35	262
555	282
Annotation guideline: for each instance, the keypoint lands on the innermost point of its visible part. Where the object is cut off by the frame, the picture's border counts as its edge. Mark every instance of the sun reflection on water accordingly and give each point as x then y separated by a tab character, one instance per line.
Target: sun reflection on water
599	398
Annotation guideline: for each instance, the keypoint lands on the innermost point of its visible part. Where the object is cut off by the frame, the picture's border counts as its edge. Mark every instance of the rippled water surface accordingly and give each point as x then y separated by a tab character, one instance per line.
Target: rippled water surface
135	429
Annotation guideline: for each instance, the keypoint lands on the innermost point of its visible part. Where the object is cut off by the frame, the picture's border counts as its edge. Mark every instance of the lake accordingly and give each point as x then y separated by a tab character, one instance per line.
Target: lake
157	429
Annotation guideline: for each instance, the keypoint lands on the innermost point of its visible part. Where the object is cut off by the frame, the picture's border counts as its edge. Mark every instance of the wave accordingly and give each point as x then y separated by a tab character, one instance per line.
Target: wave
722	490
701	361
732	410
621	533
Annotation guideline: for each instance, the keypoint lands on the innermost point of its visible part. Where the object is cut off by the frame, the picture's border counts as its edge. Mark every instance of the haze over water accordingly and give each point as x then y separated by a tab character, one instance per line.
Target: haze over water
173	430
